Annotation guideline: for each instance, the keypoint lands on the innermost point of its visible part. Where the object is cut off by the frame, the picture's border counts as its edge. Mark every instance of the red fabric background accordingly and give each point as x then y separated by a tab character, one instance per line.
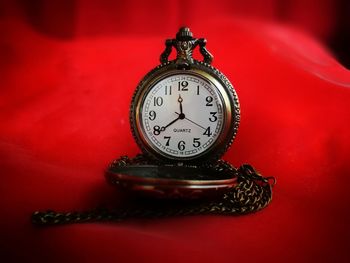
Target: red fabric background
67	76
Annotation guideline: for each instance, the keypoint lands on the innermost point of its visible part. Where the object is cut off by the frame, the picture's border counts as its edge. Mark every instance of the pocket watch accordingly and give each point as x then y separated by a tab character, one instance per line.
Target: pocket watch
184	110
184	115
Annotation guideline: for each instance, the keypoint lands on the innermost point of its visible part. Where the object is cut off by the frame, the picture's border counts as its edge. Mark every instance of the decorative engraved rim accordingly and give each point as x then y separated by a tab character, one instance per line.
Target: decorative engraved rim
232	112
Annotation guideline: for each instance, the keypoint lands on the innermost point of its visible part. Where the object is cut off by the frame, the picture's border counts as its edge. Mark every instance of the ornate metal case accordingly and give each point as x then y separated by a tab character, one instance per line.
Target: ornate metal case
184	43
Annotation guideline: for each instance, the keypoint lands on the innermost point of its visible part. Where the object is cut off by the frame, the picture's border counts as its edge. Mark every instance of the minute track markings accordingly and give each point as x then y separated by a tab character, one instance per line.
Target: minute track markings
204	130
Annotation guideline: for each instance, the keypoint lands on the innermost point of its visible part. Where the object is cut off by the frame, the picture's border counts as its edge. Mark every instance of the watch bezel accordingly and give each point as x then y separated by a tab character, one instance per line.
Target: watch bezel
231	112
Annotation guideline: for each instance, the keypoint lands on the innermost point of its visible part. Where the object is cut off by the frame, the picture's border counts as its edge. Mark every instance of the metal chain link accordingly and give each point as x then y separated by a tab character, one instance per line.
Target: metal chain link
253	193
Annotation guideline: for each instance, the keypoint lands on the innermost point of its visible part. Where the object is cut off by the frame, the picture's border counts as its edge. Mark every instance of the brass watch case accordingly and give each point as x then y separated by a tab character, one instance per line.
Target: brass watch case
231	111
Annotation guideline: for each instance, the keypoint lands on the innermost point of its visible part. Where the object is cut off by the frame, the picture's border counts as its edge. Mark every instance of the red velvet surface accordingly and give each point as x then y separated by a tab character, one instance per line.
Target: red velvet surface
64	115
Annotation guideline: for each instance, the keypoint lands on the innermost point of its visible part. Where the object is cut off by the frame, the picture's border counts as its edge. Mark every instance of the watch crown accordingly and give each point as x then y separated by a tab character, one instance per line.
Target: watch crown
185	43
184	34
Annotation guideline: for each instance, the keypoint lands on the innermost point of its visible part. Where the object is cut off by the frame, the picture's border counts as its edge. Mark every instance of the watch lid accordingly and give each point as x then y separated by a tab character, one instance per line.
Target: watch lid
170	181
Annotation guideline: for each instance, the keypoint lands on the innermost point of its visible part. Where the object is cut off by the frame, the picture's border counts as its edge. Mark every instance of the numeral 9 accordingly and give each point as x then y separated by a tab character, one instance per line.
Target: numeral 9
152	115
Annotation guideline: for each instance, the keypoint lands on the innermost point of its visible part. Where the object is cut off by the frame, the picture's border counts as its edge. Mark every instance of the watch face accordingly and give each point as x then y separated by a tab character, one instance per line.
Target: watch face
181	115
189	115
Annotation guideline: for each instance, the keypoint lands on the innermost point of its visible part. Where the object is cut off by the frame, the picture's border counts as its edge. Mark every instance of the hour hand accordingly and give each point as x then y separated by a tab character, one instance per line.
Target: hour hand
180	100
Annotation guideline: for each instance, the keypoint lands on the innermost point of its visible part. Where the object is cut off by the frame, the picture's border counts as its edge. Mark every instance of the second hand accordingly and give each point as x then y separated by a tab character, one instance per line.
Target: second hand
192	121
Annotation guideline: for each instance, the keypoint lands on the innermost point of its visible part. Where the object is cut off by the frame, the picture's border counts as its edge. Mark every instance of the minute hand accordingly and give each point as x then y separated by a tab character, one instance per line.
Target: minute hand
164	127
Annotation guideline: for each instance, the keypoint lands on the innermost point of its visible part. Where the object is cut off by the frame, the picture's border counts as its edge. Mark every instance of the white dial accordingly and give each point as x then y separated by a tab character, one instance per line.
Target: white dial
182	115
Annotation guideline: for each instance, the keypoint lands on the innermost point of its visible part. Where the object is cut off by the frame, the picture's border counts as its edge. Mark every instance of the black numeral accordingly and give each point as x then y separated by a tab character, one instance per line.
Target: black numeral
157	101
213	117
168	140
156	130
207	132
152	115
198	90
209	100
196	142
181	145
183	86
167	90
